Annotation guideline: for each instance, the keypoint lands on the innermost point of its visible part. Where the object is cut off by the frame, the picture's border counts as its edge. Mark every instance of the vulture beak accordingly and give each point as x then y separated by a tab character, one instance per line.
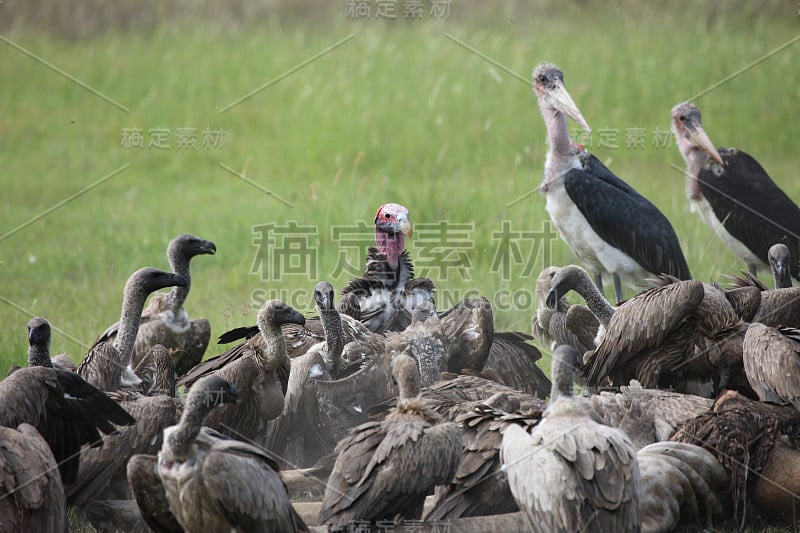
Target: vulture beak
551	299
781	269
560	99
698	137
404	225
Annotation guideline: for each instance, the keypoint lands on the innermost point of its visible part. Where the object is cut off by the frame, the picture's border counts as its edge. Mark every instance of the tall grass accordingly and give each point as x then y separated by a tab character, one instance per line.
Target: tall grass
400	112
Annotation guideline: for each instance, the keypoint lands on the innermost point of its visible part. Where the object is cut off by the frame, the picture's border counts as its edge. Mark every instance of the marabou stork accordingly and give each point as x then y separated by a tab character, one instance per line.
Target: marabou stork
734	195
609	226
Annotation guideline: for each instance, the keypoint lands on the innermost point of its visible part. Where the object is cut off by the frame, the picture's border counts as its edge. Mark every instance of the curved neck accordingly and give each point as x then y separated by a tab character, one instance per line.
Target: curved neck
274	344
177	296
194	414
132	306
334	337
598	305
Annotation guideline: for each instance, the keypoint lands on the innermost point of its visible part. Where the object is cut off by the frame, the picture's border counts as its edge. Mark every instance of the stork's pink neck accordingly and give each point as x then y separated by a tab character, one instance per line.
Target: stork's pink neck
391	245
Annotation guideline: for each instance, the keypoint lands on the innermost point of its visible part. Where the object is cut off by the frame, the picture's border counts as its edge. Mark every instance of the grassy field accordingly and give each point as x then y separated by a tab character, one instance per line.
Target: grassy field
399	111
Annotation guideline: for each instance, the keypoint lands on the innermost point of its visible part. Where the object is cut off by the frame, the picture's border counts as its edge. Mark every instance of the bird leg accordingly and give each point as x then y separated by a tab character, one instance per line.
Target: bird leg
752	268
617	288
598	281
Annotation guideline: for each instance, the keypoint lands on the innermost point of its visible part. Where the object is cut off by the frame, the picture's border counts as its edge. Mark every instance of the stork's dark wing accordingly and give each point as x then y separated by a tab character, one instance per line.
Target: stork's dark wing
625	219
754	209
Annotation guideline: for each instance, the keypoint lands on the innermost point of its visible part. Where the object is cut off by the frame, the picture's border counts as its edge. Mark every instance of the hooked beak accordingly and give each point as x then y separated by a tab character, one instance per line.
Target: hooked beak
560	99
404	225
781	270
698	137
208	247
551	299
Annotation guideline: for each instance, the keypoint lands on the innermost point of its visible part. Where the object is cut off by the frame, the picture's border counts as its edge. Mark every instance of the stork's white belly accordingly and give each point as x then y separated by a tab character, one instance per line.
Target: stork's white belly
591	250
706	212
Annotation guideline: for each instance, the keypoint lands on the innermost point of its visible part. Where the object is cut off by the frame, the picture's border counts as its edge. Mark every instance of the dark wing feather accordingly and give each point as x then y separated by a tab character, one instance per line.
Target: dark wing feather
151	498
646	235
754	209
512	362
656	313
66	410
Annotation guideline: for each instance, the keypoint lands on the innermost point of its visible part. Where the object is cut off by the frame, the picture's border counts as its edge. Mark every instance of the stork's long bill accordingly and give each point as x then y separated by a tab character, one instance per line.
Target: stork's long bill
559	98
548	84
686	121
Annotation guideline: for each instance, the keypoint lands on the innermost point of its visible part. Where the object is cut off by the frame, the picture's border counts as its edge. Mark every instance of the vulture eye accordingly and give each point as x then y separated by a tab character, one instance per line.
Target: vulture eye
682	118
387	215
542	78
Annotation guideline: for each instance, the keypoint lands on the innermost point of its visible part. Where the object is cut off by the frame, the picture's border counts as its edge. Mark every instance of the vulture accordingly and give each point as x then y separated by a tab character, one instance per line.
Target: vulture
384	469
774	307
31	493
609	226
107	366
575	278
480	486
66	410
295	435
574	325
683	334
734	195
209	482
261	372
772	363
384	297
681	485
572	472
780	261
165	321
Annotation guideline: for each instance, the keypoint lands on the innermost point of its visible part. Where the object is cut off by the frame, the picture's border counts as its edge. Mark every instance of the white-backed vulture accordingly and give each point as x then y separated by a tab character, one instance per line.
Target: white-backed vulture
780	261
575	278
480	487
66	410
564	323
296	435
385	469
776	307
31	493
107	366
212	483
165	321
772	363
683	334
681	485
572	473
261	373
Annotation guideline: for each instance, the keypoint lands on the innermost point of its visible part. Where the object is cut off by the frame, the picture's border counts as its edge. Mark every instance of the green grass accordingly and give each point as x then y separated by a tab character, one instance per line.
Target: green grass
398	113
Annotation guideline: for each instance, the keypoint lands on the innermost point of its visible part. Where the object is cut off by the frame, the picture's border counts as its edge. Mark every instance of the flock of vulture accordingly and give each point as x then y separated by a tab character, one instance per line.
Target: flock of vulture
382	413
